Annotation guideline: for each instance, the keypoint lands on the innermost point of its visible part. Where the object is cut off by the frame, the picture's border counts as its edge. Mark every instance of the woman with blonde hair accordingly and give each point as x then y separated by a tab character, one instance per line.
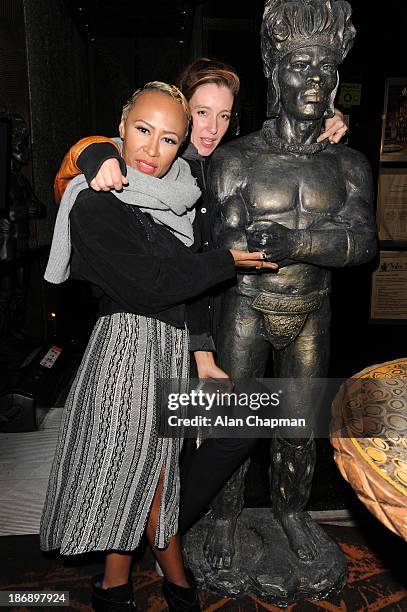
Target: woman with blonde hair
113	477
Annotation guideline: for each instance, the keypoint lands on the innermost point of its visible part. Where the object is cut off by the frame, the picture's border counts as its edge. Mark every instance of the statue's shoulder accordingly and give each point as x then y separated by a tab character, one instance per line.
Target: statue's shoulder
349	157
355	168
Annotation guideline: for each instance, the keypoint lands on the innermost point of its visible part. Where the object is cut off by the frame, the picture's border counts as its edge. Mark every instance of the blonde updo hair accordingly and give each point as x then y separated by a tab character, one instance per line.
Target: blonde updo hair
170	90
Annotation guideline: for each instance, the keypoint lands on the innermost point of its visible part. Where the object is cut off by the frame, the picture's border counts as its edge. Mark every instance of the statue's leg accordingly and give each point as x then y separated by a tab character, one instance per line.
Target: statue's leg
293	460
205	472
243	352
219	545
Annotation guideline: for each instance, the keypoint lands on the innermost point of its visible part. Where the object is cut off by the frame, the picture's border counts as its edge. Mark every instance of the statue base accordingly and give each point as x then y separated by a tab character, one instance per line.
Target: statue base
264	564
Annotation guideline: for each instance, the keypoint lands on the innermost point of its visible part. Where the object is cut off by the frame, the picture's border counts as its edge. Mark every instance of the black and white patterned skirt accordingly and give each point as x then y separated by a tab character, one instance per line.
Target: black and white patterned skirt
109	456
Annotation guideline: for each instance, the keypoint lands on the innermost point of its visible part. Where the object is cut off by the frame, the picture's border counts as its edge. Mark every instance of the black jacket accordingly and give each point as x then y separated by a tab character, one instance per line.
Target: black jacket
203	312
138	265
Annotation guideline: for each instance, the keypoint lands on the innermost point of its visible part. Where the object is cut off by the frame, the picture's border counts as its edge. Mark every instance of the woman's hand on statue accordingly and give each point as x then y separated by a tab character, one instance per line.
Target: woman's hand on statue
206	366
109	177
335	128
244	259
278	241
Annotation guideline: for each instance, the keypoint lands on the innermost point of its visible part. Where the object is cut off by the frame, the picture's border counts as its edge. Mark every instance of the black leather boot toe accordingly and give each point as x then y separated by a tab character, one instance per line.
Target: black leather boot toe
181	599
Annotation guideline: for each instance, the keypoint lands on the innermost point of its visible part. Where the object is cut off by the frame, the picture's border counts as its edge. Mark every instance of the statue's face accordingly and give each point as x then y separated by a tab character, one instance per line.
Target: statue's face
306	78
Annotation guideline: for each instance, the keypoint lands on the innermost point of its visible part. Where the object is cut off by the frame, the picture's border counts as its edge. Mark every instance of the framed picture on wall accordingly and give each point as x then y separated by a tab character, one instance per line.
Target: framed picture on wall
394	128
388	302
392	205
389	287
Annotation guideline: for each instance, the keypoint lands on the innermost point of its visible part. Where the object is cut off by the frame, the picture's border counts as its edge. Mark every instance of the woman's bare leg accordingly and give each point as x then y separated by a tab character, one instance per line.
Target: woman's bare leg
117	569
170	558
117	565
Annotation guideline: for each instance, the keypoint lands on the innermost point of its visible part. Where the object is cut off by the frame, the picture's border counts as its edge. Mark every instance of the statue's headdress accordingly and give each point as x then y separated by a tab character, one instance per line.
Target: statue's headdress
293	24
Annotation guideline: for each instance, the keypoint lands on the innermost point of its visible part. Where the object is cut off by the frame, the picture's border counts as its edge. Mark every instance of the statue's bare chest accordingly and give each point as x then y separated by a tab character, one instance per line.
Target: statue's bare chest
280	185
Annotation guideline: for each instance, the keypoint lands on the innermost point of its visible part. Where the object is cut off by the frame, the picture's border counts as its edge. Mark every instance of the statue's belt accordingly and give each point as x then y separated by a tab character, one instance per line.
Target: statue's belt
275	303
285	315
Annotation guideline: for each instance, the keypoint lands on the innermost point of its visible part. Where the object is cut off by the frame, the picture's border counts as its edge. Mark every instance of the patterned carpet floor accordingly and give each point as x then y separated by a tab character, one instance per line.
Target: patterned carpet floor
376	576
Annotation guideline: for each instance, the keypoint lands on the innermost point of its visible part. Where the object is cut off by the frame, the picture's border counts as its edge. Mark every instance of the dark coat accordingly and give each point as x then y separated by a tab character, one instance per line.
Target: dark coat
138	265
203	313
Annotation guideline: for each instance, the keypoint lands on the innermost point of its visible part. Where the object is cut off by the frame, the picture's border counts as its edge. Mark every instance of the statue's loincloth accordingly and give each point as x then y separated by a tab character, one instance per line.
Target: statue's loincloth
285	315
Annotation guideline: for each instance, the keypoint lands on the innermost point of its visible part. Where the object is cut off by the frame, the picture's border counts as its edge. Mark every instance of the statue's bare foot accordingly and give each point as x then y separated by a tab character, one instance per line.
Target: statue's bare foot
219	546
302	540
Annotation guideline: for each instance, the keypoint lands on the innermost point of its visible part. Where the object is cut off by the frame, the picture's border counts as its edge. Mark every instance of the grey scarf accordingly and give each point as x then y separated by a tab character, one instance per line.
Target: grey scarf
168	200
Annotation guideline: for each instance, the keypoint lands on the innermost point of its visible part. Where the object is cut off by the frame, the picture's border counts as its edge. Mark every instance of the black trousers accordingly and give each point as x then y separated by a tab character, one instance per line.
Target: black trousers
204	471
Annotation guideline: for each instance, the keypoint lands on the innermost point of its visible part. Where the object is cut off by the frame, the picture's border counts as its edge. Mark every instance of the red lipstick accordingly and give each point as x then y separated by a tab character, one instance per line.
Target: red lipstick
145	166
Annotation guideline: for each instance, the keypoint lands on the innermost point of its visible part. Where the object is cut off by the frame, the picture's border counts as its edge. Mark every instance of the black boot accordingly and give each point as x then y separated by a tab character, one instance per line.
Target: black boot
114	599
181	599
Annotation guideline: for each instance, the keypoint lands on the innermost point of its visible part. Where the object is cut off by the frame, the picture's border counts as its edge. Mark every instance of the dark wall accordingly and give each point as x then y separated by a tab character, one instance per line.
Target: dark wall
121	65
13	64
58	92
378	53
232	33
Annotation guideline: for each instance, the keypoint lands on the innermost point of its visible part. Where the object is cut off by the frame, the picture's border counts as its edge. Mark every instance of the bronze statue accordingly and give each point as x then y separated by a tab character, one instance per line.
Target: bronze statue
309	206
